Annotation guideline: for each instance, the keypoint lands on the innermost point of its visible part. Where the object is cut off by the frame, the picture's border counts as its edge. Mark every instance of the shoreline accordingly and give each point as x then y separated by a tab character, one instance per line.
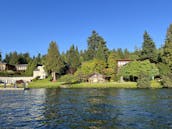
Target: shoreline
14	89
127	85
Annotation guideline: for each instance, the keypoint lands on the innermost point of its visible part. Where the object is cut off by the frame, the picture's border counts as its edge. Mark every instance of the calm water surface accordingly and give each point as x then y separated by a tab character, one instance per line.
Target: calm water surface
86	108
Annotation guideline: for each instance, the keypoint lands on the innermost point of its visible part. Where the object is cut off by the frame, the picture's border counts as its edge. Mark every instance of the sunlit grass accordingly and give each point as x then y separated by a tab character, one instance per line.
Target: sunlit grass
105	85
46	83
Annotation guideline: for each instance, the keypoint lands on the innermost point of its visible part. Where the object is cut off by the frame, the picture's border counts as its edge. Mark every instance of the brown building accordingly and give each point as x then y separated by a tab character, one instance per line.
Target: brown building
96	78
2	66
5	66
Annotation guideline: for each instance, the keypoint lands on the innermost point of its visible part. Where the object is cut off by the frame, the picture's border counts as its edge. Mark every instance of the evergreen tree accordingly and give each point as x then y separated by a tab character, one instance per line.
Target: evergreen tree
39	58
120	53
93	43
100	55
31	67
54	63
13	58
126	54
0	57
167	49
73	59
148	49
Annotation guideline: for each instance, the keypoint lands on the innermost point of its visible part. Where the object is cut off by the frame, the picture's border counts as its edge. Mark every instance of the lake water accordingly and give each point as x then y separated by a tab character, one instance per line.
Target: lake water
86	108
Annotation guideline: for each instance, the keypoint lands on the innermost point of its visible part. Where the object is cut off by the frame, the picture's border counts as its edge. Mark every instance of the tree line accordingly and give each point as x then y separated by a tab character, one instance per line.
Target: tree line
77	65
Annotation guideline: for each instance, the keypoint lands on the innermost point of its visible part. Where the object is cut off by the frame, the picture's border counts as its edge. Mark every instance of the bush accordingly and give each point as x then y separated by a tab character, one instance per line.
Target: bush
143	81
69	78
166	80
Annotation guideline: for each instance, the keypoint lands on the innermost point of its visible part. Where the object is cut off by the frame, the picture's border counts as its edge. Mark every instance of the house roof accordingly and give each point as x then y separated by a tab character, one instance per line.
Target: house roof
23	65
2	62
98	74
124	60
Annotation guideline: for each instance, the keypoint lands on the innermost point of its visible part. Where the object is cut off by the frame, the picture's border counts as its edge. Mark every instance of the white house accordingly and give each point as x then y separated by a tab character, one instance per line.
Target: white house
40	72
21	67
122	62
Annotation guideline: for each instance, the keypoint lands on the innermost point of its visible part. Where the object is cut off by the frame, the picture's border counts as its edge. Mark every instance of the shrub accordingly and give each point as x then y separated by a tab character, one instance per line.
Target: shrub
166	80
69	78
143	81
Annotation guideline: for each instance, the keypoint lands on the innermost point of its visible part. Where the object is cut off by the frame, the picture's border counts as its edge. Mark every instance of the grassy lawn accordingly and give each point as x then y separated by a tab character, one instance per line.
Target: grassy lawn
44	84
155	84
48	84
105	85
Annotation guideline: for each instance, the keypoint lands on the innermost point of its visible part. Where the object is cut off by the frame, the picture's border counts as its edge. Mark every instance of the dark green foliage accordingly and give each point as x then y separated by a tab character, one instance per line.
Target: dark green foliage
111	71
166	80
73	59
143	80
31	67
100	55
164	69
94	42
54	63
39	58
126	54
120	53
14	58
167	49
133	69
148	49
0	56
89	67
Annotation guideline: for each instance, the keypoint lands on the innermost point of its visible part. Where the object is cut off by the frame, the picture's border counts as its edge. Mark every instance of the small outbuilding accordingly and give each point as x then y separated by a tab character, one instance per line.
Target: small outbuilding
96	78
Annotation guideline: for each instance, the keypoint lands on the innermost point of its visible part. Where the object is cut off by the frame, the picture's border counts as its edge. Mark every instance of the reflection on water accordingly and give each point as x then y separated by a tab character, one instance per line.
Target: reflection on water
86	108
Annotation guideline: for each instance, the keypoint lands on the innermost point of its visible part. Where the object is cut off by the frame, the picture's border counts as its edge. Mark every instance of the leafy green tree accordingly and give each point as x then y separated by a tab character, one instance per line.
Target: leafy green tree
143	81
148	49
90	67
166	80
133	69
53	62
94	42
167	49
112	66
73	59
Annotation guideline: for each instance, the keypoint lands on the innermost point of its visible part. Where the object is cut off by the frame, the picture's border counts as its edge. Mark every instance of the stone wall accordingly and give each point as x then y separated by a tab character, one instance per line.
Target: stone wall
14	79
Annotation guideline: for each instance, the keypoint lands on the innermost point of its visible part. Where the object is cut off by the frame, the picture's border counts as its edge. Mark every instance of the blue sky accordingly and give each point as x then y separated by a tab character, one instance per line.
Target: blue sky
30	25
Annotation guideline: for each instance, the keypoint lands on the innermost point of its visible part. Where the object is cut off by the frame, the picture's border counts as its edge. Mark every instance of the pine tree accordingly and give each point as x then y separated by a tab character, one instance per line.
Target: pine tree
13	58
94	42
148	49
54	63
167	49
126	54
120	53
100	55
73	59
0	57
31	67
